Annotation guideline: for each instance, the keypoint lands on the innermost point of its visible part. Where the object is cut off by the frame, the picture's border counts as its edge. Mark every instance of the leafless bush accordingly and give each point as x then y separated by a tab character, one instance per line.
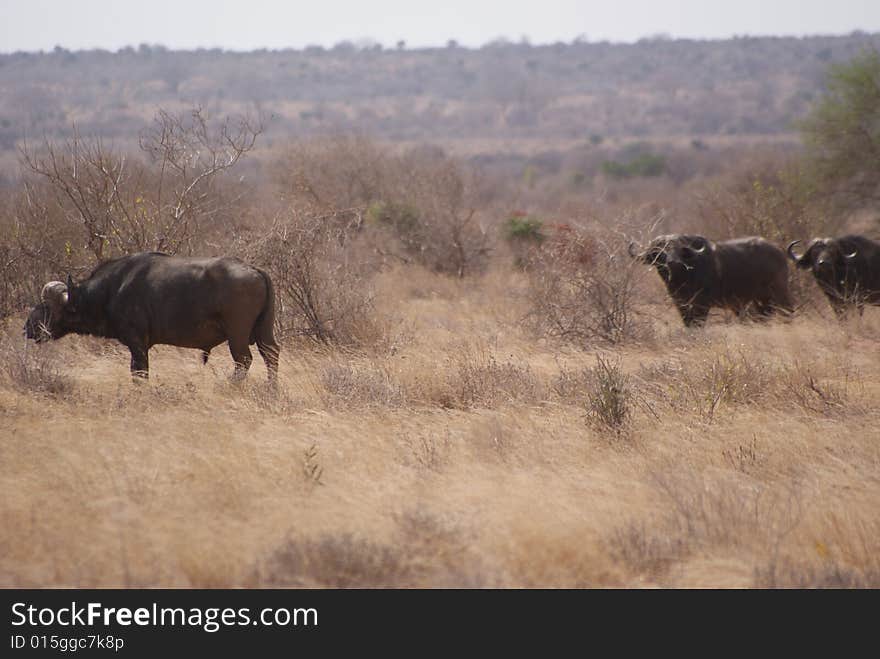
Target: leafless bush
772	199
362	386
32	369
727	512
803	386
744	457
478	379
704	384
125	204
646	549
428	450
582	290
699	514
571	385
36	244
421	205
321	278
444	231
328	173
424	551
786	573
609	395
337	561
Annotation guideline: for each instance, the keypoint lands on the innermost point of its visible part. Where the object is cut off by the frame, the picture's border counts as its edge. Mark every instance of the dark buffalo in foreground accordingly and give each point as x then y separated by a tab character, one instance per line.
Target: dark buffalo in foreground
847	270
746	275
150	298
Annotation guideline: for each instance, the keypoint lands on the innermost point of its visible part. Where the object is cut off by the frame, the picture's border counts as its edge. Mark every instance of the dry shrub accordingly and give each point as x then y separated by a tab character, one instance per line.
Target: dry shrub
338	171
776	200
605	392
336	561
735	377
37	245
428	450
801	384
703	384
476	378
788	573
323	282
608	398
728	511
421	205
442	229
583	289
570	385
710	381
424	551
745	458
364	386
644	551
30	368
702	515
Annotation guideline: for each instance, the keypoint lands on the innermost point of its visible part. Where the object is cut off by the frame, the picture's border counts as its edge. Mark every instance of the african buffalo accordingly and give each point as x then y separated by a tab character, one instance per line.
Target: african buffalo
847	270
746	275
150	298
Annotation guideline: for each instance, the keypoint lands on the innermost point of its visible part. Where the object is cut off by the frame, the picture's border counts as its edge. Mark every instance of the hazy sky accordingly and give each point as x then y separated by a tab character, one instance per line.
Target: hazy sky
247	24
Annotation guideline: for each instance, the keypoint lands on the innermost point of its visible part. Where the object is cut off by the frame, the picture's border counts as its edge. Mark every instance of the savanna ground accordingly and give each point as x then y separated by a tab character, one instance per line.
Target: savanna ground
478	386
462	451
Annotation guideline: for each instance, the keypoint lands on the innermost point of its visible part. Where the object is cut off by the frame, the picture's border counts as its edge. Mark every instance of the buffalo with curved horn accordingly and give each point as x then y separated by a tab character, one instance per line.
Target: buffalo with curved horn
147	299
746	275
847	270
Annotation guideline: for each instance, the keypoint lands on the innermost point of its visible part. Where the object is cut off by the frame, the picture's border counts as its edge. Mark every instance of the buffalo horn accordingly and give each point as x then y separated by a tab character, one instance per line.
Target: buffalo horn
55	292
794	257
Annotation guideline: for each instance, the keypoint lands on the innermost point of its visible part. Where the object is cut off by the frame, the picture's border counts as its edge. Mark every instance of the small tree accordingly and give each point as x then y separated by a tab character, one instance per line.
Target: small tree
582	289
447	235
842	133
127	204
322	277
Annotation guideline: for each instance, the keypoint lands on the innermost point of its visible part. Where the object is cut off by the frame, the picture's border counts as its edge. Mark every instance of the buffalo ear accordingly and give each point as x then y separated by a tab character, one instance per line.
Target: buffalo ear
806	260
71	293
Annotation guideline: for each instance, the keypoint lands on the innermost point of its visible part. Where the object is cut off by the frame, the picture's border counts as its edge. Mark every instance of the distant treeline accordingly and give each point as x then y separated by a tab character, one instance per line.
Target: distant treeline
579	91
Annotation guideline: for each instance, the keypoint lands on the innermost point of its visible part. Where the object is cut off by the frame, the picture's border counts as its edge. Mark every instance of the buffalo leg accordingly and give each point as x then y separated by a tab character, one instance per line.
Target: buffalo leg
693	315
269	352
242	357
140	362
764	309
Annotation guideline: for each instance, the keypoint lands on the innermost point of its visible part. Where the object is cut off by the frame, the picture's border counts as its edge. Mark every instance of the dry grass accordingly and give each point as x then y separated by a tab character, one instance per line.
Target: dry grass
464	456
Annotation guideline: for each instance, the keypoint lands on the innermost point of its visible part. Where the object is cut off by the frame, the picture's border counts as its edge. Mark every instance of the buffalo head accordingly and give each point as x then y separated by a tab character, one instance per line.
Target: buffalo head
826	258
677	257
56	314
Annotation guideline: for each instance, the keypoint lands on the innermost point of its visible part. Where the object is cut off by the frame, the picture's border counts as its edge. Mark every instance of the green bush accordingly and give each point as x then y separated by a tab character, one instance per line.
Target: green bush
643	164
522	228
402	217
842	132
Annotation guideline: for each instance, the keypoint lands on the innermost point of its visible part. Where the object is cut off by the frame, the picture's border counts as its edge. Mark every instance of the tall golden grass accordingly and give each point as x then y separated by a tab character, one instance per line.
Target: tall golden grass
463	452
